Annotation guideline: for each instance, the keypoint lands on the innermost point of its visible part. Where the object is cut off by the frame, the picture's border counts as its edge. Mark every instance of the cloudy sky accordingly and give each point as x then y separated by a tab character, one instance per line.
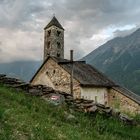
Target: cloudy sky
87	23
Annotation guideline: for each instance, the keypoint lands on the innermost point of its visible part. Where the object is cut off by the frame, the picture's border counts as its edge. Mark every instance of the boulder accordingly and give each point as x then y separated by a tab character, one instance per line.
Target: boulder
125	118
92	109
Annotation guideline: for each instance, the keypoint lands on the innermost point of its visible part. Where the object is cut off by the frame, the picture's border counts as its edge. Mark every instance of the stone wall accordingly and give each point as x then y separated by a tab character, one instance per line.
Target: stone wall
122	102
54	42
55	76
46	93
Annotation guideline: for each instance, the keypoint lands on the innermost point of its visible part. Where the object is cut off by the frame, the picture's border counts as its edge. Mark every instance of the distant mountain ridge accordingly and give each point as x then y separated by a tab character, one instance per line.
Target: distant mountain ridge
23	70
119	58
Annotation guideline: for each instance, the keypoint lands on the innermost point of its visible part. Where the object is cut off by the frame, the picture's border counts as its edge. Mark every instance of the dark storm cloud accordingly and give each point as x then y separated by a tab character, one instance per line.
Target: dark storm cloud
101	13
98	13
16	13
82	19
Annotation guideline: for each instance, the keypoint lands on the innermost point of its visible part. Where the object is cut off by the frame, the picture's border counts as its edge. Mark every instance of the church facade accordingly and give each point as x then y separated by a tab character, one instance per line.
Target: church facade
88	82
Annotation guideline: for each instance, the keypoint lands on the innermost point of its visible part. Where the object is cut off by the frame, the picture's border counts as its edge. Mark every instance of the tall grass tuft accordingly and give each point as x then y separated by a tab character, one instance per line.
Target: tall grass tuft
24	117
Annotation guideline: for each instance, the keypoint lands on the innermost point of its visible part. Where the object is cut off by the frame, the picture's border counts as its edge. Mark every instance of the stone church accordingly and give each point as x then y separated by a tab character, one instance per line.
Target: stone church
88	82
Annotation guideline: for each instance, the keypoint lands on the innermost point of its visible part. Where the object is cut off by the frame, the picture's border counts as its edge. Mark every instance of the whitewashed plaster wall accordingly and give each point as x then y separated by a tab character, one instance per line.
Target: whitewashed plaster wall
99	95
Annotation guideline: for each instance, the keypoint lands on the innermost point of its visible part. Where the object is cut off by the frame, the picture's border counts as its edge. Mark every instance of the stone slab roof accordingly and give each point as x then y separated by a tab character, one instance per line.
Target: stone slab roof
54	22
84	73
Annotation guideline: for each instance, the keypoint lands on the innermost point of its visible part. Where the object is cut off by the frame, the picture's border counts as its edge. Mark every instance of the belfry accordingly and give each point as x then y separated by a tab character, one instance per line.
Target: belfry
54	39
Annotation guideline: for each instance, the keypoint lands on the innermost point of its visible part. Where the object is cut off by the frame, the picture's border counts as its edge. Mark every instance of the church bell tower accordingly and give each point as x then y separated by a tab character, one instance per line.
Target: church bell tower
54	39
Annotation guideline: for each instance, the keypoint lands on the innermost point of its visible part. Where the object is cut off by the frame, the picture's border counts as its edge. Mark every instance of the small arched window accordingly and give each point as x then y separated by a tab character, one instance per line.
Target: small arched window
48	54
58	54
58	33
49	33
48	44
58	45
54	71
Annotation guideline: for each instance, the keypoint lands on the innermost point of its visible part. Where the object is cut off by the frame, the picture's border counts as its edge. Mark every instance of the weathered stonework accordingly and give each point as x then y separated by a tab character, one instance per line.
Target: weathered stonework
53	42
122	102
55	76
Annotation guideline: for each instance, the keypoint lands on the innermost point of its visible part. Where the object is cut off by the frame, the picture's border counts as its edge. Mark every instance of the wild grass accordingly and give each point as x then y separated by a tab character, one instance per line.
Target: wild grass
25	117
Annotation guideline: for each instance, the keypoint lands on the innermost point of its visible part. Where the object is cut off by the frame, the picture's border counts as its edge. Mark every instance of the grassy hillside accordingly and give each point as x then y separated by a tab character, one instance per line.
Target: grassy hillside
30	118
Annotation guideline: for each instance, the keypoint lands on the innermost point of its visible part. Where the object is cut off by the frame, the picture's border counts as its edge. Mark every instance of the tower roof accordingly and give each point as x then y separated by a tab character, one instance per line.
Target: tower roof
54	22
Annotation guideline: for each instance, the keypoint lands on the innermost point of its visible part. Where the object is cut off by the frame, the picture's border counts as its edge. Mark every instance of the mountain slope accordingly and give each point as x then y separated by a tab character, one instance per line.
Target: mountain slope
20	69
119	58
